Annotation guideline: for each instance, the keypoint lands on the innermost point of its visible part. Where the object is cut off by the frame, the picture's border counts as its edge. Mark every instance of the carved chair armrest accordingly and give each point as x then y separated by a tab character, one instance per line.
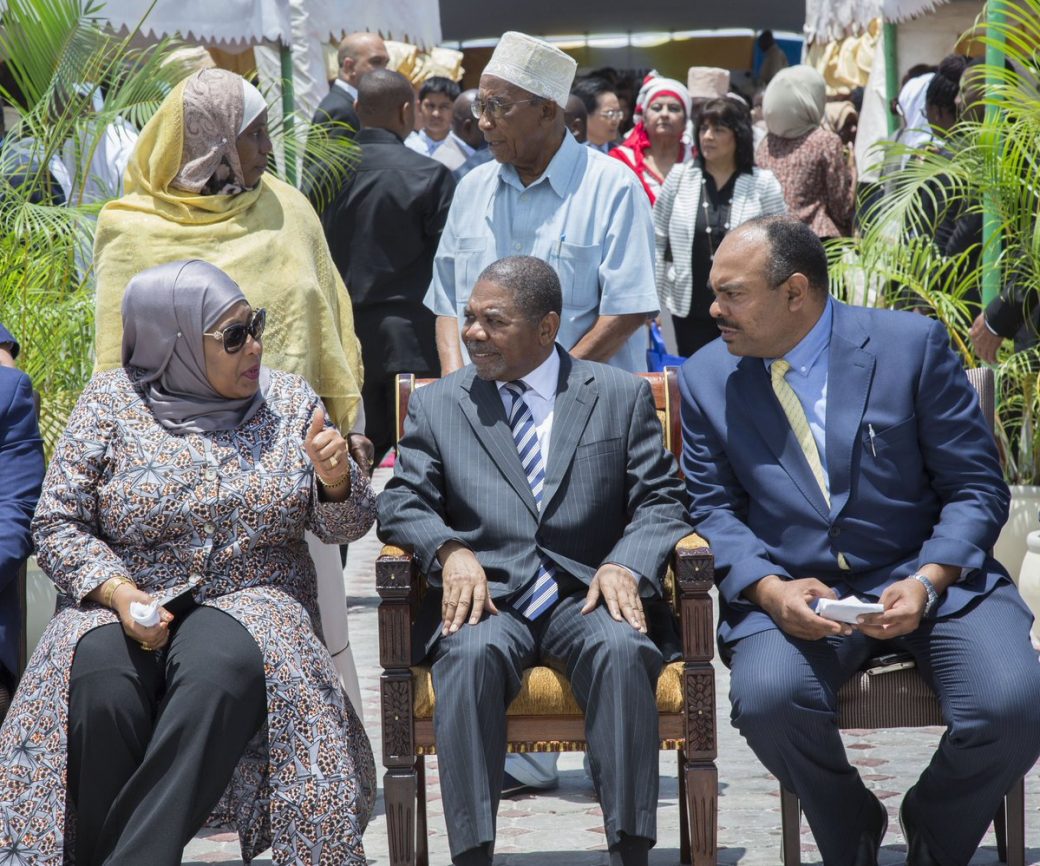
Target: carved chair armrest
694	567
399	584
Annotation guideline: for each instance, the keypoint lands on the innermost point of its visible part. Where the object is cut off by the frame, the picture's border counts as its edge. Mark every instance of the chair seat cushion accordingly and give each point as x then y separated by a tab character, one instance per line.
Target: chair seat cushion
547	693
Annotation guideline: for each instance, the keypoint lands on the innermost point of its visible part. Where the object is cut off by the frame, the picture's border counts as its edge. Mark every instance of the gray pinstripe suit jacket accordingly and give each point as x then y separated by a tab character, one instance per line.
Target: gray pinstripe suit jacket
611	491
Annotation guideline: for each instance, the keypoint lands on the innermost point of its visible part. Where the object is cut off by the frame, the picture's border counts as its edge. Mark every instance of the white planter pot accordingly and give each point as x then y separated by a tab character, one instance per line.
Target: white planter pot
1011	545
1029	580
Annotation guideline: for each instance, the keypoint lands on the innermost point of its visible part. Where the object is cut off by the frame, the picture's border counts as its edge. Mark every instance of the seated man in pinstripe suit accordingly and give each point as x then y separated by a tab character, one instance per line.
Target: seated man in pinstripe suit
537	495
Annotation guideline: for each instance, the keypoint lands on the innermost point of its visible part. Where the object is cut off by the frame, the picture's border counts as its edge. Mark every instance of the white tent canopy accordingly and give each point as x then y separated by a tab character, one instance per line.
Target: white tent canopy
827	20
238	23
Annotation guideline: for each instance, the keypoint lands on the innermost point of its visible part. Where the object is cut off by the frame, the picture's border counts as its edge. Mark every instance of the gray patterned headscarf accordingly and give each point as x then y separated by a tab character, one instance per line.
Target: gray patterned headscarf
216	110
166	310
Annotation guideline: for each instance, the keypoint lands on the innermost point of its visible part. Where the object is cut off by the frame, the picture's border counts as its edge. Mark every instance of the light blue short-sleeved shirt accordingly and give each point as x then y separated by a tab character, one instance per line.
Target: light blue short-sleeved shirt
587	216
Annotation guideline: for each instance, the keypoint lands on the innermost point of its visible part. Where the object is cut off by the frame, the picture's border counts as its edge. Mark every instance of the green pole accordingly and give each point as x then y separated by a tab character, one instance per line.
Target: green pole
991	240
288	112
891	40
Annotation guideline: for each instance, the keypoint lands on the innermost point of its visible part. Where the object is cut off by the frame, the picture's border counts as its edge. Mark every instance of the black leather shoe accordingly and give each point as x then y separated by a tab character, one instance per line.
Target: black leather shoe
917	853
870	840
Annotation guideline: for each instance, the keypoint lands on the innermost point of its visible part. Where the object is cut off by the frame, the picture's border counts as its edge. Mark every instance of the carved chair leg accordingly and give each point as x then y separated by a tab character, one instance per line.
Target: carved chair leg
1015	812
422	848
684	812
399	792
702	793
790	828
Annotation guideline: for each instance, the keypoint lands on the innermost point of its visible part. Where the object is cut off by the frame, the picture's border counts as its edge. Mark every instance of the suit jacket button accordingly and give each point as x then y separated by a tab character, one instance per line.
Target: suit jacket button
834	532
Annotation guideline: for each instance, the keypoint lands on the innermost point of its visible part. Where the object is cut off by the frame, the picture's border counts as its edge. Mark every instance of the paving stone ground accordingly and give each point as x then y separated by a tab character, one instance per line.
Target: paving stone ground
564	828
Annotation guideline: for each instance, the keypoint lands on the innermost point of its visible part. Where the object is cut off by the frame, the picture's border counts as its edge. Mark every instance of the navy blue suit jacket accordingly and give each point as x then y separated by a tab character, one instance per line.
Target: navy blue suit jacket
21	475
933	492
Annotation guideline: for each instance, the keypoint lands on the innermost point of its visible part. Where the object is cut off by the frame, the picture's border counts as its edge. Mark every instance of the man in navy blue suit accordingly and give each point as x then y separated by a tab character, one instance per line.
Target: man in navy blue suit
21	475
835	451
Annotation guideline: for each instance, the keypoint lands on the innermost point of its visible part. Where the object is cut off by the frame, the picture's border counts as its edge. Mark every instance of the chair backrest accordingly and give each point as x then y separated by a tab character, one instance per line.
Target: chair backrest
981	379
663	385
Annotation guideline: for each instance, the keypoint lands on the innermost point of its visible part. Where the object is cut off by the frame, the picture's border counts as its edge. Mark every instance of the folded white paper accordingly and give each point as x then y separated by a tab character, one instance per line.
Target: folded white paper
145	614
846	609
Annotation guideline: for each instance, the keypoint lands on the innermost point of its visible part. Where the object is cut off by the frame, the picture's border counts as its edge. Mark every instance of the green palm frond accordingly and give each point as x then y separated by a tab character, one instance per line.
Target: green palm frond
995	162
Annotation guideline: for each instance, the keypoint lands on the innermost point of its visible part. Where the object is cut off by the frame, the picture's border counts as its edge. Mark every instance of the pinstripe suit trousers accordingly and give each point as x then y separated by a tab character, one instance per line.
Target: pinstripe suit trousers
613	671
979	662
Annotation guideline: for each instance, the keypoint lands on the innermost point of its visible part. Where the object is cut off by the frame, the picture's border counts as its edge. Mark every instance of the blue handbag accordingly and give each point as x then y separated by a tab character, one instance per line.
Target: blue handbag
657	357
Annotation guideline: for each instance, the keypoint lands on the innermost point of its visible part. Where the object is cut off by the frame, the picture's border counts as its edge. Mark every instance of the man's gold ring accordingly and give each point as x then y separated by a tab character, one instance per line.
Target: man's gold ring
147	648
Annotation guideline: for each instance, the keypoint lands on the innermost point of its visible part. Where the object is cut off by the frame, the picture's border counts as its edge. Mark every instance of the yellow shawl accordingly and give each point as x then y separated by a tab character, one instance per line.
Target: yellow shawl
268	240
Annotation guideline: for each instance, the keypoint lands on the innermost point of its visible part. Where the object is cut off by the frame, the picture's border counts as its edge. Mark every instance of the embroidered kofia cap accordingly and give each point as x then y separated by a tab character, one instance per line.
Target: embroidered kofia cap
707	82
534	65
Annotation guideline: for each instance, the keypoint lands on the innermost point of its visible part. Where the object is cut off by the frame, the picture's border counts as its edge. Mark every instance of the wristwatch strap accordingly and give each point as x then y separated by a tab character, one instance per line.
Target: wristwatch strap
929	587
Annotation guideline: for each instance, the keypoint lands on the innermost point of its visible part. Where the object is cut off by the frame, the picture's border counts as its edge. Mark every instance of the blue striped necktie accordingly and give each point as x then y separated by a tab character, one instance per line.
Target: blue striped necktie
543	591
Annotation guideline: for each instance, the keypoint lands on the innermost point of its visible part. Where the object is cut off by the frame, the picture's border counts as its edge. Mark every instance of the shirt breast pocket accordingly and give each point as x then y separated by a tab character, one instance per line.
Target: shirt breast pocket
470	260
578	268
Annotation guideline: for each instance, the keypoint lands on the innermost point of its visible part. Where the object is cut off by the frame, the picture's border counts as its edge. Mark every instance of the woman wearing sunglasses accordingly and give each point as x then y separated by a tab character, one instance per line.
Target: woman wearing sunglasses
185	661
197	187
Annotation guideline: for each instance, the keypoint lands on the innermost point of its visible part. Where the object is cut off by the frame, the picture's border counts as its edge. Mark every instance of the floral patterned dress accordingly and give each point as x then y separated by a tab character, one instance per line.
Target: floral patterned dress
222	515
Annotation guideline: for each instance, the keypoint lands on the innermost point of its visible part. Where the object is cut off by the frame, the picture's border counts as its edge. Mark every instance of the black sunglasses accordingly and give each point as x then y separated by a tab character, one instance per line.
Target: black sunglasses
234	336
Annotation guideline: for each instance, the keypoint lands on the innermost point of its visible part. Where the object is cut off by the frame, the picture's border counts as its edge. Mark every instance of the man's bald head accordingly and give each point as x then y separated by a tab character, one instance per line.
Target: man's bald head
359	54
463	123
386	101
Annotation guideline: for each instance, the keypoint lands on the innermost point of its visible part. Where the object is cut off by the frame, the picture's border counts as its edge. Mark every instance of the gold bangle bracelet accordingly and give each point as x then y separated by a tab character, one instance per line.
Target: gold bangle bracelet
335	485
113	584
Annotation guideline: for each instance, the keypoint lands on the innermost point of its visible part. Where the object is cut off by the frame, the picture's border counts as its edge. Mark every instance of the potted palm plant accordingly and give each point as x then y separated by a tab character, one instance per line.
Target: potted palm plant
894	262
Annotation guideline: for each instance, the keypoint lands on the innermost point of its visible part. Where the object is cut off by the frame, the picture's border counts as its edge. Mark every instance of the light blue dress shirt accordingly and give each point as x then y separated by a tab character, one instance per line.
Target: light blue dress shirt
587	216
420	142
808	378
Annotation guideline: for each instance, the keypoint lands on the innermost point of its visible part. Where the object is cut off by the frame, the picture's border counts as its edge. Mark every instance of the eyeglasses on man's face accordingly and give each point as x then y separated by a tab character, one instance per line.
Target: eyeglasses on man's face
233	337
613	114
496	108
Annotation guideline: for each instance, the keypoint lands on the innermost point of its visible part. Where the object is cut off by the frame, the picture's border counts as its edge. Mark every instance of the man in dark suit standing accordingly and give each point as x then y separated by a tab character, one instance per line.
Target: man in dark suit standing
538	497
21	475
835	451
383	230
359	54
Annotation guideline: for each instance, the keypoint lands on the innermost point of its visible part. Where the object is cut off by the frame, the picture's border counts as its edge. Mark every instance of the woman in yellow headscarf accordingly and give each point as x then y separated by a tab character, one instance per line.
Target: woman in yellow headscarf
196	188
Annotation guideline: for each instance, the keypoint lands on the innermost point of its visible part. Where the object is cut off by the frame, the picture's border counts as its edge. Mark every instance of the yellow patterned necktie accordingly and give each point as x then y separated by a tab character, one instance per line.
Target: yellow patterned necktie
799	423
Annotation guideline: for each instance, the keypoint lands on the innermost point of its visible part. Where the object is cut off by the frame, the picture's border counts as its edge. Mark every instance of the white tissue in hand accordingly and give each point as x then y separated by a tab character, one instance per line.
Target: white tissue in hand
145	614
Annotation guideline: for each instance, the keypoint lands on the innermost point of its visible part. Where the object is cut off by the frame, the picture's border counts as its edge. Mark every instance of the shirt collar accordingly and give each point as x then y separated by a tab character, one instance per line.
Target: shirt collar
558	172
812	346
543	379
466	149
350	88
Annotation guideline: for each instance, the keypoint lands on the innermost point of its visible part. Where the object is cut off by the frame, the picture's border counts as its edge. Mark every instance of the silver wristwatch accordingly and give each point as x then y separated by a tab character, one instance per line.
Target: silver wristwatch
929	587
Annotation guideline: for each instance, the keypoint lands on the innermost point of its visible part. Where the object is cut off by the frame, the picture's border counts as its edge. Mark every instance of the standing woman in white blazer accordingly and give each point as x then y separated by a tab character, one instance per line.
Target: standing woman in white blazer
701	201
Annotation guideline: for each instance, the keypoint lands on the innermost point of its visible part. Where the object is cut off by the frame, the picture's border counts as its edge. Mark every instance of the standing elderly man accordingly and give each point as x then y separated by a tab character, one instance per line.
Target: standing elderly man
834	451
549	197
536	492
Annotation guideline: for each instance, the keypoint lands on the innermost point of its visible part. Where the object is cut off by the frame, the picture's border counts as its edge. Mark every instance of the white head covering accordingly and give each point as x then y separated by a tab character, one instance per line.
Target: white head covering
794	102
655	87
534	65
253	104
707	82
916	132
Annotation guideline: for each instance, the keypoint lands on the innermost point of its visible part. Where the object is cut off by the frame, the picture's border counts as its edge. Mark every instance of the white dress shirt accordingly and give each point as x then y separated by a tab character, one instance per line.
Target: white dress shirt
540	397
350	88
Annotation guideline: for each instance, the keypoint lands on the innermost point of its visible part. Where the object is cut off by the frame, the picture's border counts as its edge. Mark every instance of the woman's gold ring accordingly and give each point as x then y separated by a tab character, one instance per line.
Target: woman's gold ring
333	462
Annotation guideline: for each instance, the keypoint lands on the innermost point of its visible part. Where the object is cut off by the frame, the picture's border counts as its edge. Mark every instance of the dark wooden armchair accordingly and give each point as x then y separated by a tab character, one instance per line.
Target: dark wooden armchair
902	699
545	717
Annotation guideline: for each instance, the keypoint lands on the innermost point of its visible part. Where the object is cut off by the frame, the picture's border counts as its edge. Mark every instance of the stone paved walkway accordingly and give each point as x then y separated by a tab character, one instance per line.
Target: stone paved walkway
565	828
